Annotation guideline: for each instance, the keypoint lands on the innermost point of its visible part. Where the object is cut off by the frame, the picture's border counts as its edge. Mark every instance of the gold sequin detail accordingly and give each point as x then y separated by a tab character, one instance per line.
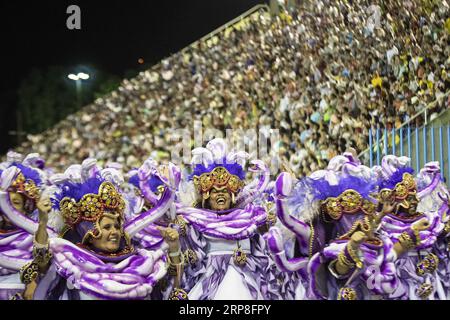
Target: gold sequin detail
348	202
218	177
347	293
91	206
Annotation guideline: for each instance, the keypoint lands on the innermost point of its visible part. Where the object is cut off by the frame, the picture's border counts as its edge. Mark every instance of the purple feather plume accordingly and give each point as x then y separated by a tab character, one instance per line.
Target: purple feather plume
307	189
233	168
76	190
28	173
395	178
154	182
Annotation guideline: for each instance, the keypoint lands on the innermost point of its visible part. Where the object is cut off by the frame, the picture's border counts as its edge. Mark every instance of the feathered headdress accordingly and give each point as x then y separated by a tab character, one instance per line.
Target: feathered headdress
24	177
396	177
85	193
343	188
214	166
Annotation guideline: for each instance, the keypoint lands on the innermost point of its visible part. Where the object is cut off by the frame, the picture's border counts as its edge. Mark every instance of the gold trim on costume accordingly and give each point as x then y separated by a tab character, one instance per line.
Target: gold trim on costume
347	293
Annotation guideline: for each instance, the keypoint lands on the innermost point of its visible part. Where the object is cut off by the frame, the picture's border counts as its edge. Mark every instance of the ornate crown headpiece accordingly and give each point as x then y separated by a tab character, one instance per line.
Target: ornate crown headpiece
218	177
345	187
349	202
214	166
24	186
27	181
92	206
402	189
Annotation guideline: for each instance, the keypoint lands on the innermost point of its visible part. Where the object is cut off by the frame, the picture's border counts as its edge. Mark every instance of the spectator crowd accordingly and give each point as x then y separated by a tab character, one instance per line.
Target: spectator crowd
322	72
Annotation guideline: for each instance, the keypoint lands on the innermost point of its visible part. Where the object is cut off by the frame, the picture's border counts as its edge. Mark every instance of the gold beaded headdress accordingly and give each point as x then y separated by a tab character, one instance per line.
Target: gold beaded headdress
24	186
218	177
402	189
348	202
92	206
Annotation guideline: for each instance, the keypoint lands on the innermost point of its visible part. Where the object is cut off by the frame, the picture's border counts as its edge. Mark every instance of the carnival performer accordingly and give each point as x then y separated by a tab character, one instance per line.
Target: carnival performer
415	199
340	253
220	229
95	258
441	247
16	244
146	188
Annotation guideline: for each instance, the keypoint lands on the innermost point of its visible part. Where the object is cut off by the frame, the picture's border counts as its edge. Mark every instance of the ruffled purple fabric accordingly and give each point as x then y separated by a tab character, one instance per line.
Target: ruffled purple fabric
235	225
132	278
432	241
260	275
149	238
377	277
15	251
396	177
442	274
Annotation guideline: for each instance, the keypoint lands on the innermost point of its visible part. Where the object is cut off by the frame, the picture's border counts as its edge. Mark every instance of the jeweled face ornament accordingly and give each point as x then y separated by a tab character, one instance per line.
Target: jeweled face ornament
220	199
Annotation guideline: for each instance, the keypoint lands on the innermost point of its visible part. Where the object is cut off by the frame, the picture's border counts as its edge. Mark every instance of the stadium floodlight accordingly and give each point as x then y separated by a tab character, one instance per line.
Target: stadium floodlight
78	78
83	76
73	77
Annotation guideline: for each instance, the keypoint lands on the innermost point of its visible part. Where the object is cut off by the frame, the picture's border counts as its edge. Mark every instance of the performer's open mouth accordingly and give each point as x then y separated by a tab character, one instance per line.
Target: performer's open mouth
221	201
114	239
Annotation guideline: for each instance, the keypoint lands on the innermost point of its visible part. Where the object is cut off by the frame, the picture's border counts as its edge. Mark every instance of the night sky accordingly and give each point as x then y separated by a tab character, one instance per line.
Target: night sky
114	35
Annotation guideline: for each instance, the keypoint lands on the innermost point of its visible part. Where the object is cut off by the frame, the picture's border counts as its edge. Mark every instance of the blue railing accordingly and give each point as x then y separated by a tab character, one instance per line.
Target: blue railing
431	143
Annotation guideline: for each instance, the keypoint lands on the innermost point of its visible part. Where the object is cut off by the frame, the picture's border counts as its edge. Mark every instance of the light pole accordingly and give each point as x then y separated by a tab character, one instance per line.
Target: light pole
78	78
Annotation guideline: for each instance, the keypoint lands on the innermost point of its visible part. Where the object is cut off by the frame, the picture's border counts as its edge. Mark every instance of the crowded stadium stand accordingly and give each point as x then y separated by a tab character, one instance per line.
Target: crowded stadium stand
376	66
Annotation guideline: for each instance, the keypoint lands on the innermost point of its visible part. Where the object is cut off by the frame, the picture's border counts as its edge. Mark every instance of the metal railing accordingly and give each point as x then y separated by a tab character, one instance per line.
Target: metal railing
424	112
422	144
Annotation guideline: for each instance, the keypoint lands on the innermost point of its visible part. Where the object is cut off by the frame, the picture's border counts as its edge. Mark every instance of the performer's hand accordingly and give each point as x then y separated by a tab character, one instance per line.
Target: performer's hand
44	206
28	293
388	205
171	237
357	239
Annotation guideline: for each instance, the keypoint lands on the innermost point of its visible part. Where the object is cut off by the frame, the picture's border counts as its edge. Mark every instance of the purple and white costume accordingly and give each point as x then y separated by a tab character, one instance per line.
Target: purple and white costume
79	271
420	271
146	187
16	243
323	211
226	256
